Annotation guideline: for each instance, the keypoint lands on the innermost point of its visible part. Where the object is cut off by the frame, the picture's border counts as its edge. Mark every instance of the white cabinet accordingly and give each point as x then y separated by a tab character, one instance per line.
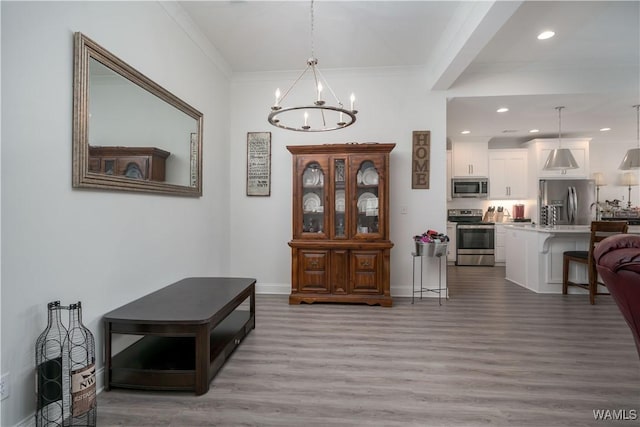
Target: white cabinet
508	174
540	149
470	159
500	252
452	249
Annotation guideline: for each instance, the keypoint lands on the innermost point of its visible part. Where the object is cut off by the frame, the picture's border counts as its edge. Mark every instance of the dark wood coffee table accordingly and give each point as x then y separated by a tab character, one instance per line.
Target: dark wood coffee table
186	332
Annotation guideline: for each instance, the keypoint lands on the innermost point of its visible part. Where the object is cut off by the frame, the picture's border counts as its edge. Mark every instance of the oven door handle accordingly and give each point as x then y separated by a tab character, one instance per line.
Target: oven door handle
467	227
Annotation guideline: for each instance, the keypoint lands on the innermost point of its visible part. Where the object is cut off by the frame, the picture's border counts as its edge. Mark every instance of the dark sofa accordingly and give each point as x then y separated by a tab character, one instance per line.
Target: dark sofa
618	263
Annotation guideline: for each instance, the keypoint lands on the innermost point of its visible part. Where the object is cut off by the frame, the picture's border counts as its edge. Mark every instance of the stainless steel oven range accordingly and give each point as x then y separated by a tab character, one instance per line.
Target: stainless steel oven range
475	240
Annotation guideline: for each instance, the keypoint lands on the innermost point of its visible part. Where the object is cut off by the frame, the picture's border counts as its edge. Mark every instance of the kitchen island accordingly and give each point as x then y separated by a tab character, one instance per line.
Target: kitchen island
534	255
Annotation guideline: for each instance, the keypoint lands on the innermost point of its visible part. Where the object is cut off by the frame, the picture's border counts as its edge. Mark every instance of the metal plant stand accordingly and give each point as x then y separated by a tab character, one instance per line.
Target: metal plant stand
430	250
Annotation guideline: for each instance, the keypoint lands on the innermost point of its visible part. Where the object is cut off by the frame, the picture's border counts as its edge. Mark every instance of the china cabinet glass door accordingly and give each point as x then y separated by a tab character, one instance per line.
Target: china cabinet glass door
367	199
339	188
313	199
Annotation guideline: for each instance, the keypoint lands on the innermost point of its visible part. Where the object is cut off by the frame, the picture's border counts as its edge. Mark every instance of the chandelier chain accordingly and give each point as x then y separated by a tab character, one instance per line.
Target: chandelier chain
313	55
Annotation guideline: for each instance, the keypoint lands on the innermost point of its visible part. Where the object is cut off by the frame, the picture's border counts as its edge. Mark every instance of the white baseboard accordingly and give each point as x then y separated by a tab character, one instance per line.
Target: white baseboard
273	288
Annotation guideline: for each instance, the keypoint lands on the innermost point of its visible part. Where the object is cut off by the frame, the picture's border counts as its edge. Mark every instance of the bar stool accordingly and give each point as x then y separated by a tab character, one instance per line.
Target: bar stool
599	231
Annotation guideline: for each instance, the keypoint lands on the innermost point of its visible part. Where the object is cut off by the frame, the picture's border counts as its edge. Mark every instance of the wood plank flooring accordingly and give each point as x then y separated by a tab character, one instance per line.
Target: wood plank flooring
494	354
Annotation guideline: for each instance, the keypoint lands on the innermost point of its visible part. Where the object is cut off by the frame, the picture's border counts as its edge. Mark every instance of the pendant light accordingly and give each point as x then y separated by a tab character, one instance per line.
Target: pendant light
632	158
318	115
560	158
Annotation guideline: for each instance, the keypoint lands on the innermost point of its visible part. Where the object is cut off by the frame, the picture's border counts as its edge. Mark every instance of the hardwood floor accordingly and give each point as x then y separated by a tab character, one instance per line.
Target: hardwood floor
493	354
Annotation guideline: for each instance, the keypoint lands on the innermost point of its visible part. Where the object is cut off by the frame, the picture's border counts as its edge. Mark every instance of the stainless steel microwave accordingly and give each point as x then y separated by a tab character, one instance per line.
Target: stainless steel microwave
470	187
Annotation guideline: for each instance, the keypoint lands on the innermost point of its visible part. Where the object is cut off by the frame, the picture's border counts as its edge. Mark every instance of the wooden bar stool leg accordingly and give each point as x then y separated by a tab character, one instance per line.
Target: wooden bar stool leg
565	275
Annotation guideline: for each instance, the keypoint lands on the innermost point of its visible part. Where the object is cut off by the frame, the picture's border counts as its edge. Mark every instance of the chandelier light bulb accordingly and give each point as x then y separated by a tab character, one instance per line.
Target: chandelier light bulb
277	97
353	100
319	91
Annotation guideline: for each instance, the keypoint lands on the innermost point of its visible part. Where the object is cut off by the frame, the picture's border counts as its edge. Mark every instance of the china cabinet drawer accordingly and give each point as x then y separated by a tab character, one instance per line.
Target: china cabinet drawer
365	273
313	272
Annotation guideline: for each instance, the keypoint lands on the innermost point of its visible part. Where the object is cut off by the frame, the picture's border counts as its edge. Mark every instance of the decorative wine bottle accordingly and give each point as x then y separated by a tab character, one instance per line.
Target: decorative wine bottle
49	370
80	355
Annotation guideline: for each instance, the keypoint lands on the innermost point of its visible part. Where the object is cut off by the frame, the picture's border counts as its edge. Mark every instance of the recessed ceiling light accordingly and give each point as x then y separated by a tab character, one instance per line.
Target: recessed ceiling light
502	110
465	132
604	129
546	35
534	131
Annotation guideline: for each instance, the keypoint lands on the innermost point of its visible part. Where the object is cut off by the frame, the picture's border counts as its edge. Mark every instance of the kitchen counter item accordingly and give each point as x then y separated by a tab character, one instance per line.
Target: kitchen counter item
490	214
518	211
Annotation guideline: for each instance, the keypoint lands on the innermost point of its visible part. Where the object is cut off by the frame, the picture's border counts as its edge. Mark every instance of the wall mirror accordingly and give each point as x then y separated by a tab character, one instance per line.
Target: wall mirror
129	133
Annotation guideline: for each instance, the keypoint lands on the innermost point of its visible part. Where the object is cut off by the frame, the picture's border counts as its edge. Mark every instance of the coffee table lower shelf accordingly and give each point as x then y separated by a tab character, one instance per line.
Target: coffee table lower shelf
168	363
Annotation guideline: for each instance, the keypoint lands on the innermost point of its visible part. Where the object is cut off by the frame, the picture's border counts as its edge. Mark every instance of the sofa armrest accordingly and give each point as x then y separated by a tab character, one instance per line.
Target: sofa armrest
619	252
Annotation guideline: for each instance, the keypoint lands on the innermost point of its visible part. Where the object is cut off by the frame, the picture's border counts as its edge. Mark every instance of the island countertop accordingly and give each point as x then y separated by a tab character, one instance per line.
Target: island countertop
562	229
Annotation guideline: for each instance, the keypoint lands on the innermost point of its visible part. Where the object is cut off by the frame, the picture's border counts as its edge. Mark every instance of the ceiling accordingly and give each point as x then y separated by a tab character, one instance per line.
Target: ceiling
455	42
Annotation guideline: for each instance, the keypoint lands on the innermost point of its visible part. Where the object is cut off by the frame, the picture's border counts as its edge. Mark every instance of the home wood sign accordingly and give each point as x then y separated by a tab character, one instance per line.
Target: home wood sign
420	159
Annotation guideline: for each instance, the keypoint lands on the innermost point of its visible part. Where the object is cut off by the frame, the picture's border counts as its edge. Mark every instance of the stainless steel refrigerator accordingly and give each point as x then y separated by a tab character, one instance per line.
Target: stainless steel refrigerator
571	200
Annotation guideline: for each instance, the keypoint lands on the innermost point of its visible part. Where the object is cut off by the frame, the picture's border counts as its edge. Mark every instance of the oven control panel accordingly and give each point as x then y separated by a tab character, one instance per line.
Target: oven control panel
464	215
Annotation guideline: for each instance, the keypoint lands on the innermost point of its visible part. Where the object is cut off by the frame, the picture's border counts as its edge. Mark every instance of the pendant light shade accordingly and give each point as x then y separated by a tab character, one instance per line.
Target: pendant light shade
560	158
631	160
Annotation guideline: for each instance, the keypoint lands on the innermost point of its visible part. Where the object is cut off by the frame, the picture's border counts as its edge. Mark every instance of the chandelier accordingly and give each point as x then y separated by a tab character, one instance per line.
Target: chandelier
560	158
319	115
632	158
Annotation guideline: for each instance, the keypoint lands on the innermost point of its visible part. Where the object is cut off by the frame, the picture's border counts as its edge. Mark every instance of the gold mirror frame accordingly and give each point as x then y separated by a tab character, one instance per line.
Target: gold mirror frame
84	50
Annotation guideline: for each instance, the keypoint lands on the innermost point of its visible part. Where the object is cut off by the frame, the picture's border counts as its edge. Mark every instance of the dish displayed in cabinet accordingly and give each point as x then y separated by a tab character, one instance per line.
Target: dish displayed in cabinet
311	203
367	202
370	176
340	201
312	178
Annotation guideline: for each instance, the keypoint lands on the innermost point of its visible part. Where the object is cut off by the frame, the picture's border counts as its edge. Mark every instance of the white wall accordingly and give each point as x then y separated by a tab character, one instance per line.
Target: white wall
102	248
392	103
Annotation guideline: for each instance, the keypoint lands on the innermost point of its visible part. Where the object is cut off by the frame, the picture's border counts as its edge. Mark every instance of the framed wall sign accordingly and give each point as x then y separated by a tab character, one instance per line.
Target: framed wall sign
258	163
420	159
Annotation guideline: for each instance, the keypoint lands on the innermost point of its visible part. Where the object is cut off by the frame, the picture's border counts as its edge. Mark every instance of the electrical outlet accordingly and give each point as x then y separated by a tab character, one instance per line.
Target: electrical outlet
404	210
4	386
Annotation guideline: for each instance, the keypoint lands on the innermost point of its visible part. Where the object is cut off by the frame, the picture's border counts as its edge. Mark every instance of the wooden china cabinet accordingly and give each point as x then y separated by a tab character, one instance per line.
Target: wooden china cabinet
340	248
